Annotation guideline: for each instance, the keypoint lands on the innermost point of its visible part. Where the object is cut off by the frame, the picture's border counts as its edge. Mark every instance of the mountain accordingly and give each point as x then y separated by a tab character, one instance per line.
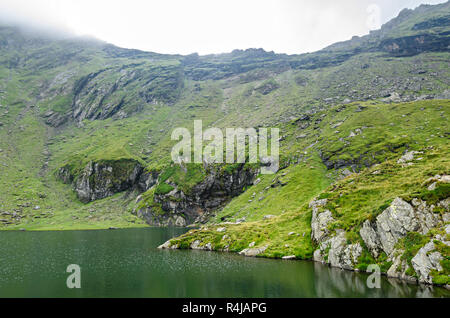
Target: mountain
85	143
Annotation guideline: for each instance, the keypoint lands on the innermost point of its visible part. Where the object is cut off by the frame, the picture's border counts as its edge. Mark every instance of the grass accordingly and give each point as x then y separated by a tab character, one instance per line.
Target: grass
213	92
353	199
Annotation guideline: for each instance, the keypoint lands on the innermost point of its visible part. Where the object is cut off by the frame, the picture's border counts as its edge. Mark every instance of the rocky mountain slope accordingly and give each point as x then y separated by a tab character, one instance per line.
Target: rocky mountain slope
85	143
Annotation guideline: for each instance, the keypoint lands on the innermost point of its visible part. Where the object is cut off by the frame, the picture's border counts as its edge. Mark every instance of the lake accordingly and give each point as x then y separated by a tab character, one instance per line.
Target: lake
127	263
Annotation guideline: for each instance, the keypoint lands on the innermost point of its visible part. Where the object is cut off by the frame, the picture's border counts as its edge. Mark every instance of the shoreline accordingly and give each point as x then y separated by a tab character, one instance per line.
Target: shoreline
166	246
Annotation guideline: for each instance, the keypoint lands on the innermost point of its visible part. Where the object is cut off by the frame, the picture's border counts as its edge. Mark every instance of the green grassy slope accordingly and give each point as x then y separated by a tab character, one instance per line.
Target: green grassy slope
390	130
130	101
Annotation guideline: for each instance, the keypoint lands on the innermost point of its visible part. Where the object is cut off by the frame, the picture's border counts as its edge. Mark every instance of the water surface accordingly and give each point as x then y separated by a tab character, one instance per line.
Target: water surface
127	263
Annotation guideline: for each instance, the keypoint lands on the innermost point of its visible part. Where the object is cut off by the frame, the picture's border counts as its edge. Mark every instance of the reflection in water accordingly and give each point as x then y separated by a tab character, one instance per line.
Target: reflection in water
332	282
126	263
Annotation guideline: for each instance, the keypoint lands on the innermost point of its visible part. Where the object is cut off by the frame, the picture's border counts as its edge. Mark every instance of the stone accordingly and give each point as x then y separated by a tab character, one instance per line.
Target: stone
221	229
252	244
319	225
394	223
370	238
426	261
180	221
290	257
195	245
407	157
268	217
399	267
340	254
166	245
253	252
241	220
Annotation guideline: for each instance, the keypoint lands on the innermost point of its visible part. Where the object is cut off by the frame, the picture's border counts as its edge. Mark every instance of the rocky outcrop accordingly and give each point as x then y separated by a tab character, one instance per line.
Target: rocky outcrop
412	45
99	180
395	222
253	252
333	248
320	221
382	236
55	119
336	252
181	209
116	92
427	260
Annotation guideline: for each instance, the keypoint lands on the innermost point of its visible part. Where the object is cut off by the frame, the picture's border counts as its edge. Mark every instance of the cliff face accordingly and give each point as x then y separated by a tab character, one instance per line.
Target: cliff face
384	237
179	208
99	180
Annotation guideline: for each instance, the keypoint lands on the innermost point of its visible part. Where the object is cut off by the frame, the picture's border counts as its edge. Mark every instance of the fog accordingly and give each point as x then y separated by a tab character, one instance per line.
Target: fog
206	26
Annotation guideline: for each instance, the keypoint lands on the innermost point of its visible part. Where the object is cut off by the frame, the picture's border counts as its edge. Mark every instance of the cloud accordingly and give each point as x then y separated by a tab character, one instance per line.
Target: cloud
205	26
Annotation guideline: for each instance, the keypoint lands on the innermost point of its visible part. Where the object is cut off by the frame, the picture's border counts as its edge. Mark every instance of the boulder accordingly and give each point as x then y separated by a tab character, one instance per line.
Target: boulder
320	221
395	222
426	261
253	252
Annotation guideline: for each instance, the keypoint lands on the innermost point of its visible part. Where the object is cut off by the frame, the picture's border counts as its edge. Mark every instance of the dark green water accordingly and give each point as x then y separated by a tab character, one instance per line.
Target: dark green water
126	263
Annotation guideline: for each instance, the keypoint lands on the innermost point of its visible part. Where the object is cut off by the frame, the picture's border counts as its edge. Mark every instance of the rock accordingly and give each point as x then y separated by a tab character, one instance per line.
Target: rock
204	198
180	221
433	182
253	252
257	181
290	257
407	157
318	256
268	217
393	98
425	261
396	222
241	220
346	101
346	173
252	244
320	221
340	254
291	233
399	267
370	238
208	247
195	245
221	229
100	180
166	245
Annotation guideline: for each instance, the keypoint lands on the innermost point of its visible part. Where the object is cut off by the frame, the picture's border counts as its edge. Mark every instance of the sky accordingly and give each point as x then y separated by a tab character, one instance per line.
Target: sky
209	26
